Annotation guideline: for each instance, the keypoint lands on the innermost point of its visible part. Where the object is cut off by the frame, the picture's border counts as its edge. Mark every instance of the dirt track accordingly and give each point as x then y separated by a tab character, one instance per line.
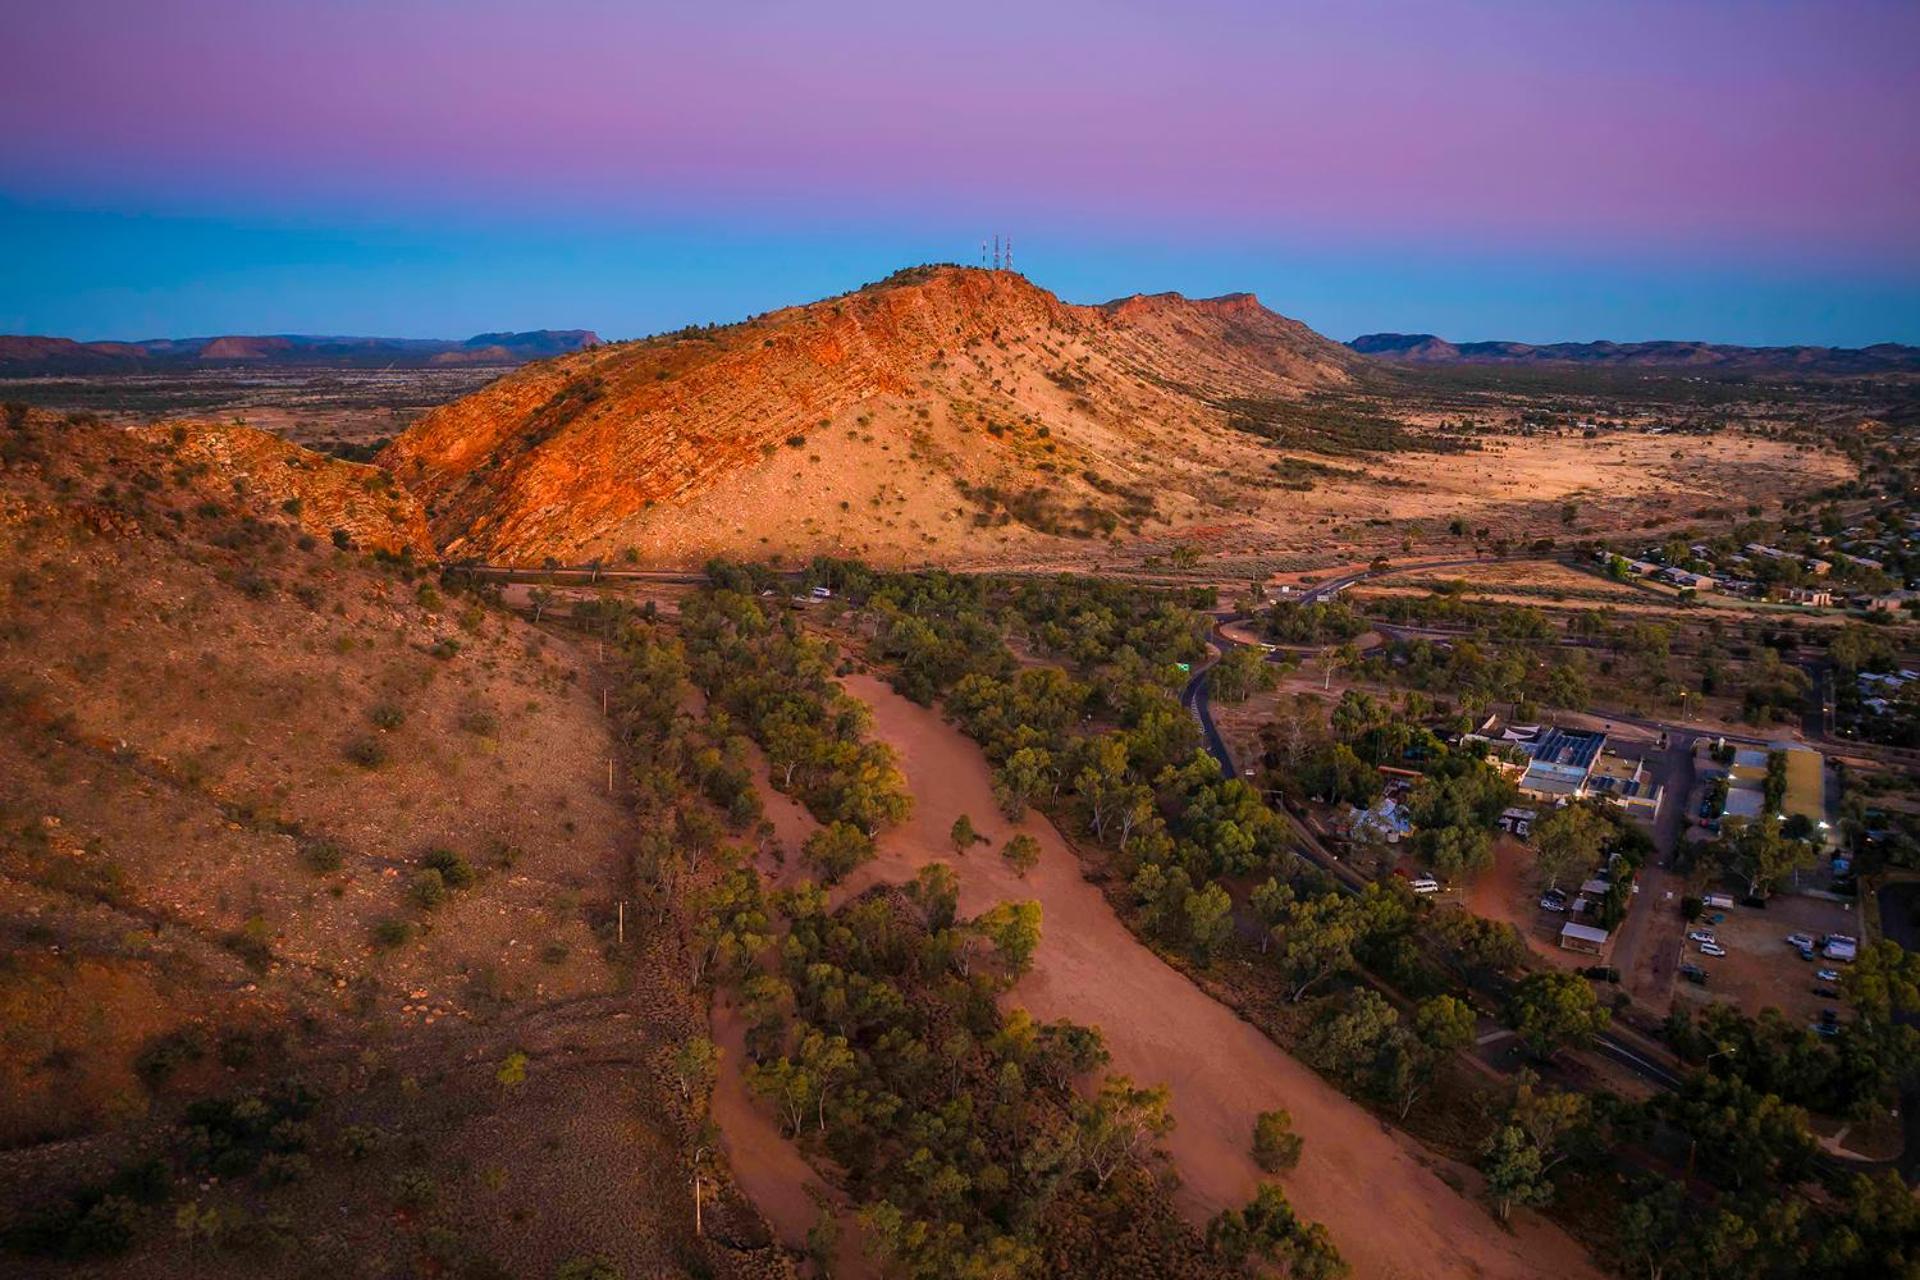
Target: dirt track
1376	1190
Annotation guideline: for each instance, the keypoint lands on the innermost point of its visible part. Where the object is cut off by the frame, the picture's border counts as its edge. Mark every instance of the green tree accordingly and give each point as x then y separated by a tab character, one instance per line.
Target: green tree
937	889
1267	1234
1759	853
1121	1125
1568	841
1512	1165
1442	1026
1553	1009
1209	915
1240	672
1012	929
1883	981
1317	940
1022	853
1655	1226
1276	1147
1027	773
696	1063
1350	1042
836	849
963	835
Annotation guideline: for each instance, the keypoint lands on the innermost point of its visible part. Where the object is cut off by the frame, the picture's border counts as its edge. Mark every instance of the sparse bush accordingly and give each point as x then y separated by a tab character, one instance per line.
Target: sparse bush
341	539
391	933
428	888
368	753
359	1141
387	715
455	872
156	1063
480	722
321	857
415	1189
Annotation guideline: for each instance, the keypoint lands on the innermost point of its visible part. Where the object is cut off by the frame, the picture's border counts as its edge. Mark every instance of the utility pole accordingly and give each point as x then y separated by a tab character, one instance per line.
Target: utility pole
621	936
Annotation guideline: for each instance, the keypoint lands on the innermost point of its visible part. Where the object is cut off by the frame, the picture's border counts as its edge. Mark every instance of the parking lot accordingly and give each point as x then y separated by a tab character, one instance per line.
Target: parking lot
1760	970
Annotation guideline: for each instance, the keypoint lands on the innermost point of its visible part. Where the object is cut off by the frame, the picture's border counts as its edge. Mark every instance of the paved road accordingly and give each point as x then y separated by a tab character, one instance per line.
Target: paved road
1900	922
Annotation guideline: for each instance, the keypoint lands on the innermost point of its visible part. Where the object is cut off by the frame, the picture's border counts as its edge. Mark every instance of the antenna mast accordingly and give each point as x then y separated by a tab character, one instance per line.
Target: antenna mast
1009	252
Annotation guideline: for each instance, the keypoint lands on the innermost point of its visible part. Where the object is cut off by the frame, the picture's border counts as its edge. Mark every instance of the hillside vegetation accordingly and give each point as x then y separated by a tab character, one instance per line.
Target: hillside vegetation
309	953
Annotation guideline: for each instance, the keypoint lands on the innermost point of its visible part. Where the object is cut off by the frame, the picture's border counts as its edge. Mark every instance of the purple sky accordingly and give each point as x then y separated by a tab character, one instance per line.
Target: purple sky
1757	150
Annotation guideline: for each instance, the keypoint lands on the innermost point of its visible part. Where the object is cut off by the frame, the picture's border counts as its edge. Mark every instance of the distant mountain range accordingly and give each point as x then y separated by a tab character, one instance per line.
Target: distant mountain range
22	356
1425	348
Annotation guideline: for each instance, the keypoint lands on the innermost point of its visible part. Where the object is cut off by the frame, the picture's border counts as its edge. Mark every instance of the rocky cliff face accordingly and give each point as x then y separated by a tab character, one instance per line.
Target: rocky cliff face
862	423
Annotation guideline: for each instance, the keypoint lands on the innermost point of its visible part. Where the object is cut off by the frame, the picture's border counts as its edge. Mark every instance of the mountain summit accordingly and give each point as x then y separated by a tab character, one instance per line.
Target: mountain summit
882	422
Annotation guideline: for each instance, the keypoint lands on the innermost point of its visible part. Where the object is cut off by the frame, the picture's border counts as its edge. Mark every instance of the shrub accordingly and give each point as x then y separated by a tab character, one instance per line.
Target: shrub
455	873
387	715
415	1188
341	539
480	722
368	753
428	888
161	1057
321	856
391	933
1276	1147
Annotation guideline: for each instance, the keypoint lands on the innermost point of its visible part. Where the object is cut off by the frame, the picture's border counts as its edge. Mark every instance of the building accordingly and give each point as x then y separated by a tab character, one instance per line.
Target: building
1583	937
1562	761
1626	782
1687	578
1387	820
1814	597
1892	601
1745	769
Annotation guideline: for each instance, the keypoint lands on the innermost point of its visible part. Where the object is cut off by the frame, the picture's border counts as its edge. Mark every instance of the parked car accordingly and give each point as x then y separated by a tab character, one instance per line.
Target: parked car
1805	954
1701	935
1553	900
1425	884
1825	1028
1694	973
1800	941
1826	993
1830	1015
1827	975
1712	949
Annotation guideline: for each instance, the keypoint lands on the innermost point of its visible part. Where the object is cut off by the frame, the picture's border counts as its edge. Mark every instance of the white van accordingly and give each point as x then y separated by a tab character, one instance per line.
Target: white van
1425	884
1721	900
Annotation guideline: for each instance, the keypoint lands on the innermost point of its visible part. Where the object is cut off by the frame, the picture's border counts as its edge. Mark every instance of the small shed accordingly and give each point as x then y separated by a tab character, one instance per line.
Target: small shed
1582	937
